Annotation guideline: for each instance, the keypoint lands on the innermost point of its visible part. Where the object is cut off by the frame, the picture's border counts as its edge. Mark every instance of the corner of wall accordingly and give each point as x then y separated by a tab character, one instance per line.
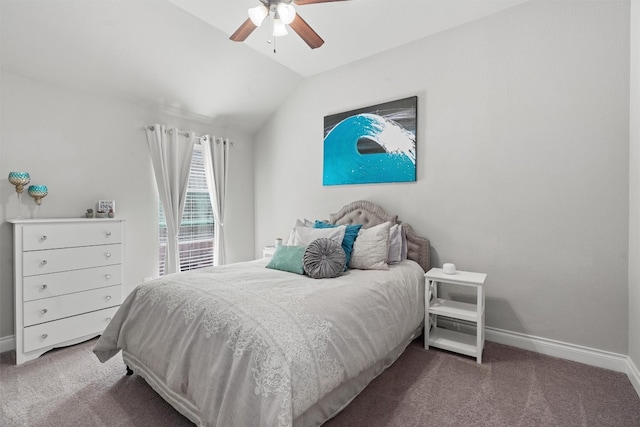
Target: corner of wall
634	190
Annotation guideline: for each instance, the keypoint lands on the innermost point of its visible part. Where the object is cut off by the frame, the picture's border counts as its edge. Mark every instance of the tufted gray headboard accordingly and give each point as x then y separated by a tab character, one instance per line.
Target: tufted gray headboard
369	214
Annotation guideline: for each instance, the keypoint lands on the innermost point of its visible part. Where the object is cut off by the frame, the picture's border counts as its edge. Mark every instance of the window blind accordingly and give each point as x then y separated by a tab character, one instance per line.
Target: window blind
196	235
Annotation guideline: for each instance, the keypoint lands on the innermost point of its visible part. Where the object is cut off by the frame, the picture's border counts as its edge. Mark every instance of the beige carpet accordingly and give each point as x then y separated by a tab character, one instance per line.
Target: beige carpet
69	387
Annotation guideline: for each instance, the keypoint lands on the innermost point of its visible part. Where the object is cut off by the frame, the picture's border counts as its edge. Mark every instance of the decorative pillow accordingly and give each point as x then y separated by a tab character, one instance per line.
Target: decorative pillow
299	223
405	246
395	244
288	258
371	248
350	235
323	259
305	235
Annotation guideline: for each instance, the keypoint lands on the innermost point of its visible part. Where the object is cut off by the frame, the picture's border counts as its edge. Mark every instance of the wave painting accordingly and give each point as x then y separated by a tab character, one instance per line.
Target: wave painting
372	145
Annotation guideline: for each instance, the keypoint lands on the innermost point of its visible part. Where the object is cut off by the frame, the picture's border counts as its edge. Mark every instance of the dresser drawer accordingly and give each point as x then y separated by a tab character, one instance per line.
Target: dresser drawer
54	284
55	260
52	236
51	333
54	308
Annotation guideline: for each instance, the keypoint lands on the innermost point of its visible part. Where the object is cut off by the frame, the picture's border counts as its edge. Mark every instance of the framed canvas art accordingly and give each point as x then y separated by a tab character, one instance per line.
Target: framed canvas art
374	144
106	206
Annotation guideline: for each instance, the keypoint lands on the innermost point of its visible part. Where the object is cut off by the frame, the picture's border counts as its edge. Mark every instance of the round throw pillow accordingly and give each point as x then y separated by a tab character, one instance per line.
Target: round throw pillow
323	259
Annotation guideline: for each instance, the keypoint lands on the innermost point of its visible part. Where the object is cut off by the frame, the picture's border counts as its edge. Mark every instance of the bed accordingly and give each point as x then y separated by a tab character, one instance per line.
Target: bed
245	345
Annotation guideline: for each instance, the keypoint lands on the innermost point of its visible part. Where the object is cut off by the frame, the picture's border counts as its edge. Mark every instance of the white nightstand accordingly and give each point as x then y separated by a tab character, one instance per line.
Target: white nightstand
268	251
447	339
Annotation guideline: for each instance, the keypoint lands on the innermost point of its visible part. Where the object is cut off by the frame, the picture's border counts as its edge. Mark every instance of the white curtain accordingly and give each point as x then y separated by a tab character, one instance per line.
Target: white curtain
216	167
171	153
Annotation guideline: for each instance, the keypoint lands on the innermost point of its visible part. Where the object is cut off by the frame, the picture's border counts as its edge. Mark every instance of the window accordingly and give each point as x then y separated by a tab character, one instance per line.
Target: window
195	238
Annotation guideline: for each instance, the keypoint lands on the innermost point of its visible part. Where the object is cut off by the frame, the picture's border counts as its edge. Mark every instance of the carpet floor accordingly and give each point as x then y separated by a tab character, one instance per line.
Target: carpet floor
512	387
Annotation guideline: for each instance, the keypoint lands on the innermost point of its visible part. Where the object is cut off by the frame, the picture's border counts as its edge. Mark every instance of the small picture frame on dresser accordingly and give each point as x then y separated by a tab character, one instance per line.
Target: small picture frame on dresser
105	207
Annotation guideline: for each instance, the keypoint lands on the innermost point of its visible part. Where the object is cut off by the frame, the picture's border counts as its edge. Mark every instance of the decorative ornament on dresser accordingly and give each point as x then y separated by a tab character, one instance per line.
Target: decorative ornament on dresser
19	179
38	192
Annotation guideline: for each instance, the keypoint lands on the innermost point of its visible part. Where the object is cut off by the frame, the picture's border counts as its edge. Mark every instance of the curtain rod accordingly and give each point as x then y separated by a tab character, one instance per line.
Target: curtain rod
186	133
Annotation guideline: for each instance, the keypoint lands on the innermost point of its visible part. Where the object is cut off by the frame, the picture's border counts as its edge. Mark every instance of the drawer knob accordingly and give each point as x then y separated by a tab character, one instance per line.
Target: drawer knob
108	255
44	311
44	336
108	297
43	262
43	237
43	287
108	276
108	234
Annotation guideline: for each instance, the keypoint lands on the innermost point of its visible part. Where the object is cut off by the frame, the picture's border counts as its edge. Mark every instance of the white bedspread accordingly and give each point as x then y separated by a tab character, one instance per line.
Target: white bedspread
243	345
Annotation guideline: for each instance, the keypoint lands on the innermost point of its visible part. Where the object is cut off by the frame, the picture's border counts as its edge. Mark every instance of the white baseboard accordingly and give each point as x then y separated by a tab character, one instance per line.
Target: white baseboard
7	343
577	353
634	375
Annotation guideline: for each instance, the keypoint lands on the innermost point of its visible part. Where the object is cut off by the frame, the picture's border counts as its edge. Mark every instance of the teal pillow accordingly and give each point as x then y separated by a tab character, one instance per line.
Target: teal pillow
350	235
288	258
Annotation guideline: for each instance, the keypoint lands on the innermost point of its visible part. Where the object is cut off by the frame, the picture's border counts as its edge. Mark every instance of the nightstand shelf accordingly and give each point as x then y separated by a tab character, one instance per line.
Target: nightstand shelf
458	342
435	307
455	309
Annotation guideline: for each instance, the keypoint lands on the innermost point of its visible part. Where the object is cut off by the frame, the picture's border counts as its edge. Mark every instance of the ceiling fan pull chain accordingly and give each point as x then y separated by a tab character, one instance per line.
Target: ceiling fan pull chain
273	28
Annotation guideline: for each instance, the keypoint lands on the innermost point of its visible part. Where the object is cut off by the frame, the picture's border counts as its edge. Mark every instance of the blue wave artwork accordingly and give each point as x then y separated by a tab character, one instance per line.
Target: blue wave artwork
373	145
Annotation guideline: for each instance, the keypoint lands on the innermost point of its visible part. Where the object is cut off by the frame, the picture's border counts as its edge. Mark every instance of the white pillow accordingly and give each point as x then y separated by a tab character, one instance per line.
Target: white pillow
371	248
299	223
405	245
395	244
303	235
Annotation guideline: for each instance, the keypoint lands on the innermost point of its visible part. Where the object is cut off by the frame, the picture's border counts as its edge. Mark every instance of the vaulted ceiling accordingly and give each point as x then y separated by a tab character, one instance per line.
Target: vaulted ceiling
176	54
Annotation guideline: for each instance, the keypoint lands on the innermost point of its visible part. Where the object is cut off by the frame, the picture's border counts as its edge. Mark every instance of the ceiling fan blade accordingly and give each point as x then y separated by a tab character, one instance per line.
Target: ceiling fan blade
243	31
305	31
303	2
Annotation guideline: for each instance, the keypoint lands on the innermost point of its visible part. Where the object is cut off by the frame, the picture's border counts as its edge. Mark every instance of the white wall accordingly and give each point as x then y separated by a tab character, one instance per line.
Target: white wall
522	161
90	146
634	189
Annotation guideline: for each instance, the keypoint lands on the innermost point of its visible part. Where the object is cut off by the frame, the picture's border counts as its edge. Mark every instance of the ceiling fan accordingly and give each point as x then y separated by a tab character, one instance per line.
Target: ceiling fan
282	13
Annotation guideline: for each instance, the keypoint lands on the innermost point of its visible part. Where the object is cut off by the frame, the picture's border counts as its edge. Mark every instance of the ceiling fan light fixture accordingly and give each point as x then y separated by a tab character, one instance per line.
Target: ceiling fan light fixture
257	14
279	29
287	13
281	13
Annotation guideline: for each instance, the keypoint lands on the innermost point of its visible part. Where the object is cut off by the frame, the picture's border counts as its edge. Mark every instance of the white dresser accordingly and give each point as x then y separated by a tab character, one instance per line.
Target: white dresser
68	277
